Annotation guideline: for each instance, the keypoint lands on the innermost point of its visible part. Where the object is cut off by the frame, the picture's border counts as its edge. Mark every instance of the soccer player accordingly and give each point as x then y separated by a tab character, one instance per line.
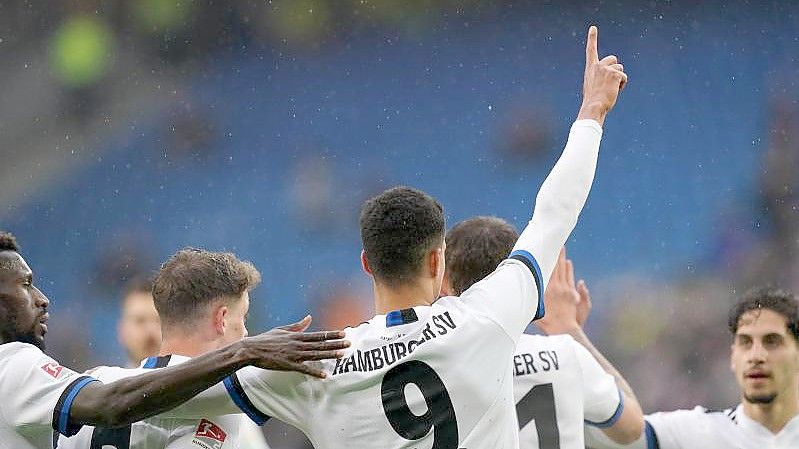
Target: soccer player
139	328
558	385
203	300
428	372
39	395
764	357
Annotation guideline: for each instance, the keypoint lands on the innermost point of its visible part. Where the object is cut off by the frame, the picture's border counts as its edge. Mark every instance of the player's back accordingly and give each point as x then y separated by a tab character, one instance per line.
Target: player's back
212	432
443	370
558	386
428	377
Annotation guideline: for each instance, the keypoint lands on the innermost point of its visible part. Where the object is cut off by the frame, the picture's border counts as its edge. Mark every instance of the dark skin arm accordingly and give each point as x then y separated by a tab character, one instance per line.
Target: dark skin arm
135	398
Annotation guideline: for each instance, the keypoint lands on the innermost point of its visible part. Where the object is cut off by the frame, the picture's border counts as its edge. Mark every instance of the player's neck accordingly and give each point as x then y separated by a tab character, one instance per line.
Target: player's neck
187	345
402	296
776	415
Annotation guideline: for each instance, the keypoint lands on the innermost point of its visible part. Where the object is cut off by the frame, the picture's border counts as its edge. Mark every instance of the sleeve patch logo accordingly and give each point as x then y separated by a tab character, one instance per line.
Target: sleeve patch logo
209	435
53	369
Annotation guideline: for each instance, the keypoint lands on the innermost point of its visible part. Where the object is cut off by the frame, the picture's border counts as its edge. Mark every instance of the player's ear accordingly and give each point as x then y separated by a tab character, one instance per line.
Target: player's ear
220	319
435	260
365	263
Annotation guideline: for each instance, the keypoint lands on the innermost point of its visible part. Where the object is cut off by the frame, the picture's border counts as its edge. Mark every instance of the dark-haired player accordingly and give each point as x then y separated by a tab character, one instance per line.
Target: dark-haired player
40	396
428	372
558	385
764	358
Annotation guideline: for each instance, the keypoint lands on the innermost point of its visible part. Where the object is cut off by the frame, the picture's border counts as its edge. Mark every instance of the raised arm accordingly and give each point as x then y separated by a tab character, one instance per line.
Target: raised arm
565	190
132	399
513	295
564	302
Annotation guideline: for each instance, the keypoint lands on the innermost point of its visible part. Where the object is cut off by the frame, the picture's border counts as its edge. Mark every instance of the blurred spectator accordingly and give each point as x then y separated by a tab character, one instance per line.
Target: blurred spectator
526	134
343	308
191	134
139	327
120	259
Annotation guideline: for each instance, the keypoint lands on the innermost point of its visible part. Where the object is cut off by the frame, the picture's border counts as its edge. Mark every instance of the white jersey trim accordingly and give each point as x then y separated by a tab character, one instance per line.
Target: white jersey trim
613	419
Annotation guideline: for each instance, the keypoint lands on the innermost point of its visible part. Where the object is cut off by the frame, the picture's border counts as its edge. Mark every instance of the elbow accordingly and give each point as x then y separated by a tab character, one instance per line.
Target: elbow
629	436
626	433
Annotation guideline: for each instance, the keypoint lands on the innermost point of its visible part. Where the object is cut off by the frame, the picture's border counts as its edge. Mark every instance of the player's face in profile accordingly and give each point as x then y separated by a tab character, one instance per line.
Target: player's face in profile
140	326
23	308
765	356
237	319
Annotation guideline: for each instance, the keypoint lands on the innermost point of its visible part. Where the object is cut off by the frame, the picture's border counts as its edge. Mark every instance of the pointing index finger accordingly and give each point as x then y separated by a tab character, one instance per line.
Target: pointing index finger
591	52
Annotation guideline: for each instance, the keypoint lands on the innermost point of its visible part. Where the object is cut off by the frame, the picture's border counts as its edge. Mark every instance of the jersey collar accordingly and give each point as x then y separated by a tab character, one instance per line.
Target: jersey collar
400	317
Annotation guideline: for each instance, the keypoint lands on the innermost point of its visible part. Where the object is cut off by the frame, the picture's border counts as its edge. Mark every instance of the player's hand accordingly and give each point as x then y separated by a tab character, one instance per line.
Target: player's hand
560	299
287	348
584	306
603	81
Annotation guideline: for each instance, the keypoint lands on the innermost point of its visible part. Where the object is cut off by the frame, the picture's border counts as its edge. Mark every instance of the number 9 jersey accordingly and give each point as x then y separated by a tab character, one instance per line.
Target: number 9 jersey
427	377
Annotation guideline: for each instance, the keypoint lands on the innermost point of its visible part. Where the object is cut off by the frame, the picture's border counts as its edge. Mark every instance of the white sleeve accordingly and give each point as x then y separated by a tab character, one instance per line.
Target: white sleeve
662	430
37	391
262	394
674	430
214	401
513	295
603	402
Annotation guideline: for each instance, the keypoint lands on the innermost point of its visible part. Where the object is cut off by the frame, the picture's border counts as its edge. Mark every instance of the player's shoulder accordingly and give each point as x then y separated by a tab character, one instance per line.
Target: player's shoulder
16	348
529	342
698	415
112	373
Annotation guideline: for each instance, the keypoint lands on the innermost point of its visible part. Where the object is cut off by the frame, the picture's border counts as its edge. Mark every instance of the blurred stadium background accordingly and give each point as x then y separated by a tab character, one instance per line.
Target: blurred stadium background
129	129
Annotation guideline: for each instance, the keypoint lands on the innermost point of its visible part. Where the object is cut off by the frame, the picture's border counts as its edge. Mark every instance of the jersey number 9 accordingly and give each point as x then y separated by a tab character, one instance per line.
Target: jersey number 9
440	414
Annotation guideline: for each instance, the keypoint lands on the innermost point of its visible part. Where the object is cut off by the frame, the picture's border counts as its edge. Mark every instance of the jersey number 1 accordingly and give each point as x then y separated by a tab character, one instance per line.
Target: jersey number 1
539	405
440	414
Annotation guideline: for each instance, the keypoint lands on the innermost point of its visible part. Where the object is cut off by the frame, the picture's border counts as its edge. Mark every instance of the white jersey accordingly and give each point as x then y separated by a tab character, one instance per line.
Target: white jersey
433	376
37	393
700	428
205	432
558	386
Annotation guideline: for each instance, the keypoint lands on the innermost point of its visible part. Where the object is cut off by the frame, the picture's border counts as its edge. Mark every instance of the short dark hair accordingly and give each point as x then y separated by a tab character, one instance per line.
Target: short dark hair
192	279
768	297
474	249
398	227
8	242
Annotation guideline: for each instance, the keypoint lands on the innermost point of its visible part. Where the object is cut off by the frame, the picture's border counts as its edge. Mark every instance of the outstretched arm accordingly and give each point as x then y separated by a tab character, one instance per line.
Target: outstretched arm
135	398
566	303
565	190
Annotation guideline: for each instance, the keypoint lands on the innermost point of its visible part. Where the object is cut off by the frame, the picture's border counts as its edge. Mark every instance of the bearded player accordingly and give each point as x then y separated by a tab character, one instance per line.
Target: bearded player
764	358
41	396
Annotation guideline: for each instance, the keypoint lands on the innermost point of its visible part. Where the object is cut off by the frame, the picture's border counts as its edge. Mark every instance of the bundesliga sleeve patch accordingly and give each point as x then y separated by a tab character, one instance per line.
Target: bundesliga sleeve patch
209	435
53	369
